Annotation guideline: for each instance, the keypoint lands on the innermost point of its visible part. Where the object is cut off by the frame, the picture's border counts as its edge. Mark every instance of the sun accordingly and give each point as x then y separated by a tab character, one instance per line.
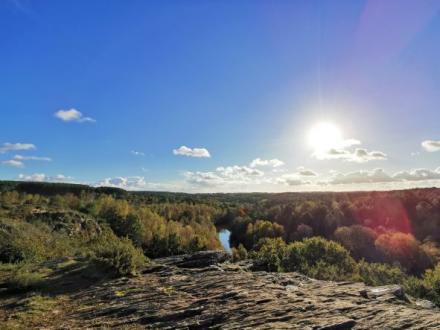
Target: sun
324	136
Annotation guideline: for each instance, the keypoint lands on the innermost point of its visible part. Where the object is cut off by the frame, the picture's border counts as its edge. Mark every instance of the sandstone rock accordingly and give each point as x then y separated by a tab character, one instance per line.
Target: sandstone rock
198	260
203	291
388	292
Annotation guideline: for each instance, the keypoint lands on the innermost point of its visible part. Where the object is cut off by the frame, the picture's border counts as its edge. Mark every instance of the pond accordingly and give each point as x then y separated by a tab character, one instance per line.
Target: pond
224	236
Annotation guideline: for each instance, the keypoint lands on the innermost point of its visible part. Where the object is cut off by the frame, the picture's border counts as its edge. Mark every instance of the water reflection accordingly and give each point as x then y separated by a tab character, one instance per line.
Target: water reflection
224	235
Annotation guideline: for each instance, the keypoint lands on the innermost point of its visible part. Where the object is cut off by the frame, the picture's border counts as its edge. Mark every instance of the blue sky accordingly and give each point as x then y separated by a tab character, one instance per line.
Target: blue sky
186	95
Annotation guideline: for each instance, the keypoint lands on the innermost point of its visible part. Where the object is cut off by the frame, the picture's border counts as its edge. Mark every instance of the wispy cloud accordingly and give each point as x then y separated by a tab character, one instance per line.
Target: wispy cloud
292	180
137	153
192	152
133	183
19	160
380	176
6	147
22	158
361	176
358	155
41	177
431	145
73	115
13	163
420	174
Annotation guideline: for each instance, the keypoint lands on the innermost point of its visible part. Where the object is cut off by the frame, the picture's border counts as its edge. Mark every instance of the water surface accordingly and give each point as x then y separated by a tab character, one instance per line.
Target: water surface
224	236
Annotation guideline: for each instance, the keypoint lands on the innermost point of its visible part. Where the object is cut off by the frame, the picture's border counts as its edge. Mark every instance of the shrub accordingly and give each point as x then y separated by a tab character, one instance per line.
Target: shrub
119	256
324	271
320	258
415	287
269	254
22	241
239	253
376	274
431	283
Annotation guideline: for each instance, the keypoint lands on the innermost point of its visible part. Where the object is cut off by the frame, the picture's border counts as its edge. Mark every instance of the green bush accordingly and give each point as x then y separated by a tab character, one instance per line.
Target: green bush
119	256
269	254
319	258
376	274
431	283
415	287
325	271
22	241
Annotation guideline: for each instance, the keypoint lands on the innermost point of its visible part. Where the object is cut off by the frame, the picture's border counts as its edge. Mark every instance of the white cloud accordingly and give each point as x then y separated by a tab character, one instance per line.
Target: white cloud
41	177
266	162
297	178
204	178
374	176
291	180
238	171
192	152
225	175
13	163
380	176
137	153
6	147
431	145
73	115
18	160
420	174
306	172
36	177
359	155
22	158
134	183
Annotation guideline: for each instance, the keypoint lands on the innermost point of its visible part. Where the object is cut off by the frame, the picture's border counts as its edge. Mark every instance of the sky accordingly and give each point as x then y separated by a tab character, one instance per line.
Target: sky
221	96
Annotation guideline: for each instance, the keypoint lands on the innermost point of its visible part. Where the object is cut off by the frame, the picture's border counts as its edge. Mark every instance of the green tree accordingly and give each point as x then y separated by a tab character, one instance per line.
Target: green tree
359	240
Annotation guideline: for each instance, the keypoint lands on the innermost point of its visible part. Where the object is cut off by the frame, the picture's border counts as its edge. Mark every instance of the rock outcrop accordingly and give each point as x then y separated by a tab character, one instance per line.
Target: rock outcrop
202	291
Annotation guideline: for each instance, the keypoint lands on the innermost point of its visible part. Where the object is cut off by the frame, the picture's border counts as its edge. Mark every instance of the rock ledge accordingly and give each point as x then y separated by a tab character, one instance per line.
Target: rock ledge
205	291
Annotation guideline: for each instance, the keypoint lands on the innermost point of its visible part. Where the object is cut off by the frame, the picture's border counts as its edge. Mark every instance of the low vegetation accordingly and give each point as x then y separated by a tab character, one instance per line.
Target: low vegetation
119	256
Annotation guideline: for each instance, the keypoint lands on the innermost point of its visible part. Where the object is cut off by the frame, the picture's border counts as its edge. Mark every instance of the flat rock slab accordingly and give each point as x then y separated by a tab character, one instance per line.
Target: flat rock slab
227	296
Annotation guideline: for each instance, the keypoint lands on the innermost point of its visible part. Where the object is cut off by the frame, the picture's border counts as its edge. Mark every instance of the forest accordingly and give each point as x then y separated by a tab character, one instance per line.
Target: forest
375	237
